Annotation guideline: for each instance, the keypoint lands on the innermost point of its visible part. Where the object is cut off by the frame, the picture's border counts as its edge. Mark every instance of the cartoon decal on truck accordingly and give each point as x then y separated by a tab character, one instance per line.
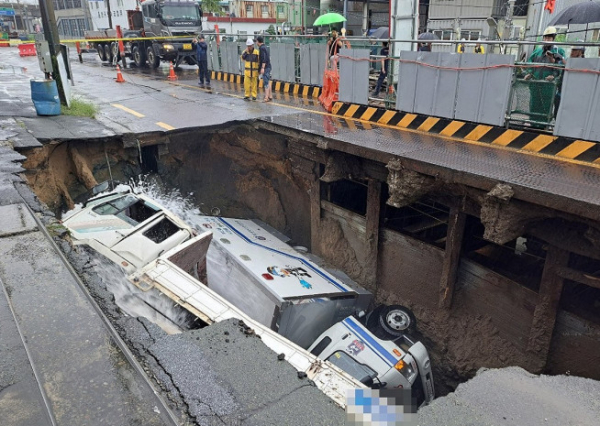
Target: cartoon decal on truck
286	272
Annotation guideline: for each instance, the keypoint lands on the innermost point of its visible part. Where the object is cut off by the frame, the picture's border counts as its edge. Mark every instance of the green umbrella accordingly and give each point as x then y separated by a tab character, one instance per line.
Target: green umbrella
328	19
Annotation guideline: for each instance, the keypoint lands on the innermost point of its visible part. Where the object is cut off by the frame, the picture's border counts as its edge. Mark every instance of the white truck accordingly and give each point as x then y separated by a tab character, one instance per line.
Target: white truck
255	272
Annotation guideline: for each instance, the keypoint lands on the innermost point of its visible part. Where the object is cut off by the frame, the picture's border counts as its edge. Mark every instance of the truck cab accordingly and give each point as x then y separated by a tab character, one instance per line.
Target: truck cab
375	362
170	18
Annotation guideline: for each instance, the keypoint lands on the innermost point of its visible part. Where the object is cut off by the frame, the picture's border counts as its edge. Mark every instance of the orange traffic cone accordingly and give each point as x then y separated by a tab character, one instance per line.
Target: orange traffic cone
120	78
172	75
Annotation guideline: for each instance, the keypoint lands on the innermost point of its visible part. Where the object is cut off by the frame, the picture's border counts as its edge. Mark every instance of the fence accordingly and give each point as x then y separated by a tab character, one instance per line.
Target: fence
486	88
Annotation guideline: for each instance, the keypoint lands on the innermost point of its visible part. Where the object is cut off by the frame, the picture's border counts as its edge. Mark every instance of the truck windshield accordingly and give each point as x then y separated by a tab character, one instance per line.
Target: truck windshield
176	12
128	208
359	371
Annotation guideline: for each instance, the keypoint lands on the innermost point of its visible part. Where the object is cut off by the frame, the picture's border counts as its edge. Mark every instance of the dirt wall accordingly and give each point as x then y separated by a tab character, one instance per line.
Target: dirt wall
58	173
243	173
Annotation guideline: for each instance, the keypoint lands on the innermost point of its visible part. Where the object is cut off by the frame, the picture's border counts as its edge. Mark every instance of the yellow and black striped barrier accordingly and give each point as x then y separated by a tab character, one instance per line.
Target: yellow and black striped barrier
531	141
302	90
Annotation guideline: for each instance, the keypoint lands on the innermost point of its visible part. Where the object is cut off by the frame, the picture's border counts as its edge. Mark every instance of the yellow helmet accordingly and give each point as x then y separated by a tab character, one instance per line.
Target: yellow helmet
550	31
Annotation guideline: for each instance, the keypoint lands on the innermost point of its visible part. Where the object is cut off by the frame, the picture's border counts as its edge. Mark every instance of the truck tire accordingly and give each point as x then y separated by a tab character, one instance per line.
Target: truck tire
101	52
396	320
139	56
108	53
153	58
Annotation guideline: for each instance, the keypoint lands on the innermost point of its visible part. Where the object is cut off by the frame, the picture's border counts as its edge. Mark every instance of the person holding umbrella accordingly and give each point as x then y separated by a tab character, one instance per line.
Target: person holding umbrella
426	47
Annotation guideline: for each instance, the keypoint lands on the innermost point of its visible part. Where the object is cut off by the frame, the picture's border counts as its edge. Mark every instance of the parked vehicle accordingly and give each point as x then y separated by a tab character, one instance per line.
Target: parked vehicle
254	271
162	30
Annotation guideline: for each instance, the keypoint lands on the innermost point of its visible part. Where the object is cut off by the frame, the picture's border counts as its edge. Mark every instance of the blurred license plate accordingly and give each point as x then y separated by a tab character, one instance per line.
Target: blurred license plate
187	46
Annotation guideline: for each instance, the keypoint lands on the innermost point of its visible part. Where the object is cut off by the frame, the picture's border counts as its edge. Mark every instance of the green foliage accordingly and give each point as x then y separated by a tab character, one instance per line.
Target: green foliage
80	108
271	30
210	6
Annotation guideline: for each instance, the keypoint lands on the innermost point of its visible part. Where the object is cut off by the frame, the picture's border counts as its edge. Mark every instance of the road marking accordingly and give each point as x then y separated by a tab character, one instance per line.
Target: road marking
452	128
507	137
130	111
428	124
165	126
539	143
478	132
575	149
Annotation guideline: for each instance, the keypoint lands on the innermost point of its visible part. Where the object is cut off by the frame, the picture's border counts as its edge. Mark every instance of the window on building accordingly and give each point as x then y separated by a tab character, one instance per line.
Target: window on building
348	194
249	11
444	34
280	12
264	11
470	35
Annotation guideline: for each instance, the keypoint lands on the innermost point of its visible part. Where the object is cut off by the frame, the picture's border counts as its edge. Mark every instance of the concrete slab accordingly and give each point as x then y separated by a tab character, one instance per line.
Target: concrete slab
229	377
84	374
65	127
513	397
21	402
15	219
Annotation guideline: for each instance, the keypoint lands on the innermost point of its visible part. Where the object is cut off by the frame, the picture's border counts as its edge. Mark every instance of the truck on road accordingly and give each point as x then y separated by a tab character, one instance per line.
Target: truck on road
161	30
254	271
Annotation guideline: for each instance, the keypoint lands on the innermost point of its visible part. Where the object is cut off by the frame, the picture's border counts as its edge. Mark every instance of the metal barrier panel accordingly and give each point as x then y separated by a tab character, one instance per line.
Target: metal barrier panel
579	107
283	62
213	56
226	56
312	64
407	79
483	94
230	57
318	59
436	87
354	76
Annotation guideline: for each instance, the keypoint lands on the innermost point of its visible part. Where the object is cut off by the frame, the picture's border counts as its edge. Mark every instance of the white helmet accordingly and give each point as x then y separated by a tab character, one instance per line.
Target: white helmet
249	42
550	31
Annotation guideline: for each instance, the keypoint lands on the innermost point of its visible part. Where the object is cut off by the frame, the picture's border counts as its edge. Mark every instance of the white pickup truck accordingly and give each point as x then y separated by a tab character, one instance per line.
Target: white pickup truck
253	274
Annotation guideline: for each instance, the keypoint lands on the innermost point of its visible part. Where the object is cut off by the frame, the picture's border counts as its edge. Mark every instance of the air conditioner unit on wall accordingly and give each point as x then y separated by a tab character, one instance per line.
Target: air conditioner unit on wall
517	32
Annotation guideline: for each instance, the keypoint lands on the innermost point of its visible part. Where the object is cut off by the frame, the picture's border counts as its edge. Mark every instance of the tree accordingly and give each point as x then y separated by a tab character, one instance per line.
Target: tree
210	6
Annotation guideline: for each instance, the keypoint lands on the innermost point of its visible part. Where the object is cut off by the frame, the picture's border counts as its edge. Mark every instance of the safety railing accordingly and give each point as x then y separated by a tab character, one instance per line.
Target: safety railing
535	95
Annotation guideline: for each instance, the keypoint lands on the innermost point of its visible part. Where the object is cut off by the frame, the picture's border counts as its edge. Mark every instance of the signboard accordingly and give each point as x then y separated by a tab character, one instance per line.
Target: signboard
7	11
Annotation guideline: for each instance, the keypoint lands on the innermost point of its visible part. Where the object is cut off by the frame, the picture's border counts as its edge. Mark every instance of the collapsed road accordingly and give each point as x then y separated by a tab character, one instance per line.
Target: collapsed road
266	169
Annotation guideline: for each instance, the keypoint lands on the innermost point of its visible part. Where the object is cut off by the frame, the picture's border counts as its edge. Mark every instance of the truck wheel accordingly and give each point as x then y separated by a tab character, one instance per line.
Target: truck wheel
153	59
108	53
101	52
139	56
396	320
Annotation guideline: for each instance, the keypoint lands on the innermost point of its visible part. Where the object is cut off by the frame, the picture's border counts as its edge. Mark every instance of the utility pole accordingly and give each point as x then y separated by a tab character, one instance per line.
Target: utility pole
51	35
508	19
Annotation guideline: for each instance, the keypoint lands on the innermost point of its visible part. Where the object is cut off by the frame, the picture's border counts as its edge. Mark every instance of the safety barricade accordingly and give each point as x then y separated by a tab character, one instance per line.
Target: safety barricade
27	49
331	84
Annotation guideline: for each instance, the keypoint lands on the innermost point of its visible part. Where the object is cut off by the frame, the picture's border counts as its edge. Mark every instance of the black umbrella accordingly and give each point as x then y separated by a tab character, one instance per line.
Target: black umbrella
381	32
580	13
428	36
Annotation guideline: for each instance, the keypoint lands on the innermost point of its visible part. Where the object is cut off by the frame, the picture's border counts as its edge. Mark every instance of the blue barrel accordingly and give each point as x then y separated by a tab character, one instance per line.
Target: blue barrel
44	95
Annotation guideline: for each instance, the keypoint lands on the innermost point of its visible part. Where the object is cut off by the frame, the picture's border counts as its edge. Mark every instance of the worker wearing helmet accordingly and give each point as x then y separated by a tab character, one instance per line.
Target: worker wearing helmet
578	51
544	97
250	58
